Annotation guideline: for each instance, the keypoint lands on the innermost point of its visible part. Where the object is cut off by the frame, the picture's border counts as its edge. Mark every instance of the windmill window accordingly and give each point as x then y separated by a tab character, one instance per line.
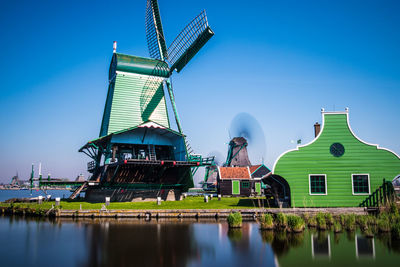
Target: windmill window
317	184
360	184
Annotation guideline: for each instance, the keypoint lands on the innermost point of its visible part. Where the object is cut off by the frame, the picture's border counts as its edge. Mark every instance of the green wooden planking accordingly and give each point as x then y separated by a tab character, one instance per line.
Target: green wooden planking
123	105
315	158
235	187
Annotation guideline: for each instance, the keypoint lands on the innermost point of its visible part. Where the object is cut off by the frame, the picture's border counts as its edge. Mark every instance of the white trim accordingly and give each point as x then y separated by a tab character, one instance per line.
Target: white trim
375	145
309	185
248	170
309	143
373	246
322	129
352	185
140	76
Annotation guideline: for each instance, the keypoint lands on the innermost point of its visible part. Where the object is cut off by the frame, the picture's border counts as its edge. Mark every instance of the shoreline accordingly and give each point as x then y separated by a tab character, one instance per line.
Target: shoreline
171	213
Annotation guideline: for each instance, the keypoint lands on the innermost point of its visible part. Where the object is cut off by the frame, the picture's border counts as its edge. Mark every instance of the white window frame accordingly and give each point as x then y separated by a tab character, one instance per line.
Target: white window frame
309	185
352	185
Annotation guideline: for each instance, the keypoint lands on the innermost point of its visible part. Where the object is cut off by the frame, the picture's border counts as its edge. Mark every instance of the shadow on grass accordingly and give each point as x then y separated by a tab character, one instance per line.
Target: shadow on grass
252	203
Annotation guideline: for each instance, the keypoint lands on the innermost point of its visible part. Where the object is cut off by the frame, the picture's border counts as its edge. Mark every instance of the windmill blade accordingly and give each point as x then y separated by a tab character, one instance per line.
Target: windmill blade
247	126
153	91
191	39
172	98
154	31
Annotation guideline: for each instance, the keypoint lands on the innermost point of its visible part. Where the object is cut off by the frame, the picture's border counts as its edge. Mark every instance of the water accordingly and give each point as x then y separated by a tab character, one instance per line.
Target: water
7	194
132	242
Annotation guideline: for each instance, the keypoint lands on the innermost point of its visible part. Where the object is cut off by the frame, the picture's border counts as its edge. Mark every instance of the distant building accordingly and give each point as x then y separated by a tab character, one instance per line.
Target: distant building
235	181
337	169
257	173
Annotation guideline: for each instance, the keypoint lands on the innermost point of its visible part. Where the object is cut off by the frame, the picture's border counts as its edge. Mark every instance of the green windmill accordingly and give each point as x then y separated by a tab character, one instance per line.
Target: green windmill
137	85
137	148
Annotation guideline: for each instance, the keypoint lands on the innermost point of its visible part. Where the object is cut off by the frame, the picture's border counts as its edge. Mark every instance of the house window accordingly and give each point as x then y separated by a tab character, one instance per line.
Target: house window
317	184
360	183
245	184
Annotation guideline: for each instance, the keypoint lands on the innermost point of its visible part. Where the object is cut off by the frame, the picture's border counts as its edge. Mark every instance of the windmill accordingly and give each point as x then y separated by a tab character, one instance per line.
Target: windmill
137	151
174	58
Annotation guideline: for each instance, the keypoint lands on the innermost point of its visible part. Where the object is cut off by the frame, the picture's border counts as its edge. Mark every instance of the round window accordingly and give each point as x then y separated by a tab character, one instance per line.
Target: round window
337	149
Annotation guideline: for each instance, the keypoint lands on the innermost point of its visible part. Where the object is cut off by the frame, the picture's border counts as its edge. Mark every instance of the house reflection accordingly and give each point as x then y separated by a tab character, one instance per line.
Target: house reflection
139	244
365	247
321	245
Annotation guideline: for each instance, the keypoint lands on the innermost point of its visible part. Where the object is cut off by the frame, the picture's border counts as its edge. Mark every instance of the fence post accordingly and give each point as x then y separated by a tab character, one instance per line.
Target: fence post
380	195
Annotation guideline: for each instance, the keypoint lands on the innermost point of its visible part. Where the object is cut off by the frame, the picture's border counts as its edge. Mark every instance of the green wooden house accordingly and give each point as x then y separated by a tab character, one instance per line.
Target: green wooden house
336	169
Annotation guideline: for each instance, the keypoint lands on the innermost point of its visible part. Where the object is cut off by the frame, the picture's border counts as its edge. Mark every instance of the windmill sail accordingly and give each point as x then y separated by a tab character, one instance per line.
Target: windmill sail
153	92
154	31
191	39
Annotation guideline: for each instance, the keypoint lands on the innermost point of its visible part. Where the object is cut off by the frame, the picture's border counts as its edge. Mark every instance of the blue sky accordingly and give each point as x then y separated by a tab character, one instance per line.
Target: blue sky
279	61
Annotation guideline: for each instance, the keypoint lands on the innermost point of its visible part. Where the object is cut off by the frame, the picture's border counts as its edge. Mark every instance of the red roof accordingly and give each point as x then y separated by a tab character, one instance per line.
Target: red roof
253	168
234	172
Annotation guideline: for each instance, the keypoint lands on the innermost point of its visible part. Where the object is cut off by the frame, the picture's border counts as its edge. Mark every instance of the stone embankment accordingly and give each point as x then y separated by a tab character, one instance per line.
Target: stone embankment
181	213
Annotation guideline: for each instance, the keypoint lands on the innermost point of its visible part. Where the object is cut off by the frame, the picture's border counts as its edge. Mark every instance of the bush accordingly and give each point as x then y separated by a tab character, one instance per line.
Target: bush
362	222
337	227
267	222
383	225
321	222
350	222
235	220
342	219
312	222
295	223
371	220
393	209
281	220
329	218
396	230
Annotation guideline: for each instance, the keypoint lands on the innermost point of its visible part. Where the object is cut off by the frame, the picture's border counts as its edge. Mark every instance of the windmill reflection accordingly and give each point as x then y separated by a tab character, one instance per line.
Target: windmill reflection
117	243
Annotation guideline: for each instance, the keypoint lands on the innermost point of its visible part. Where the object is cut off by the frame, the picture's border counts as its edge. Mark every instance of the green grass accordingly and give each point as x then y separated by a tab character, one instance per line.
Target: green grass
188	203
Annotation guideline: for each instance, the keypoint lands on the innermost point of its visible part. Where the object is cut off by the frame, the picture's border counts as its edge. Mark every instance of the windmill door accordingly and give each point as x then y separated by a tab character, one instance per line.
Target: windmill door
258	188
235	188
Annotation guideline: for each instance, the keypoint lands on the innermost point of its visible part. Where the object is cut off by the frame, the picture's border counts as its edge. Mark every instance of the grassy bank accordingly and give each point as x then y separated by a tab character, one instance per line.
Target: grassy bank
188	203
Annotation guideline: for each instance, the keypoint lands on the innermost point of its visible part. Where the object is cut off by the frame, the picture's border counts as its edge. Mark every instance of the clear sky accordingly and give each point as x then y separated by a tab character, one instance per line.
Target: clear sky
279	61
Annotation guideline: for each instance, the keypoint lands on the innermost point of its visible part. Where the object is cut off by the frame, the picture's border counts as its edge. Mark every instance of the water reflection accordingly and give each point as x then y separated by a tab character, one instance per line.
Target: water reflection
123	242
321	245
365	247
141	244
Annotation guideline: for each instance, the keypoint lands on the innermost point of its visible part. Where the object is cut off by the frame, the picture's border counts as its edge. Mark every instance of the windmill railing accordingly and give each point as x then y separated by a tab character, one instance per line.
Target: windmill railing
91	166
381	196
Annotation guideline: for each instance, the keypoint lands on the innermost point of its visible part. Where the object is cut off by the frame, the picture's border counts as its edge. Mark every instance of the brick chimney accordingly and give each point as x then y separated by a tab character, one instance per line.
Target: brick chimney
317	128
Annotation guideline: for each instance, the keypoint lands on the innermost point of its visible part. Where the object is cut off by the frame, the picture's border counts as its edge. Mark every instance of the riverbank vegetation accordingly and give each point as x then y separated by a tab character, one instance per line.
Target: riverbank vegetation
387	221
235	220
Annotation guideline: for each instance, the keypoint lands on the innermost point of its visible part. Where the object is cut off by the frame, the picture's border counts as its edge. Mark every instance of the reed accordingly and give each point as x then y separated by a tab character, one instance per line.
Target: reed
350	222
295	223
267	222
321	222
281	220
235	220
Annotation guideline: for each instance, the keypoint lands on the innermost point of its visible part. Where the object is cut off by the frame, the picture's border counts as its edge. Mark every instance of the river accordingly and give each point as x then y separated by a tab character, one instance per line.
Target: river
133	242
7	194
182	242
